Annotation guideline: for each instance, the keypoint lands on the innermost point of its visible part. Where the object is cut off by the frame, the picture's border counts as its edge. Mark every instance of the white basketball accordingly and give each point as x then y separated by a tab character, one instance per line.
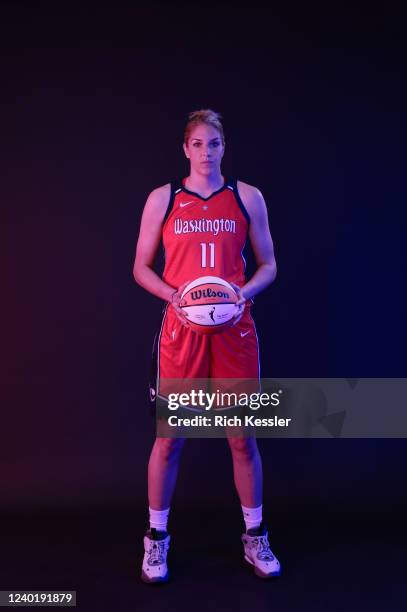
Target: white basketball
209	304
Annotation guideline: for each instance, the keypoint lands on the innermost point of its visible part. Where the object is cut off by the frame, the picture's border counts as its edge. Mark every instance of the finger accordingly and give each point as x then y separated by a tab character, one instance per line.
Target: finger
238	314
181	316
183	321
177	296
236	320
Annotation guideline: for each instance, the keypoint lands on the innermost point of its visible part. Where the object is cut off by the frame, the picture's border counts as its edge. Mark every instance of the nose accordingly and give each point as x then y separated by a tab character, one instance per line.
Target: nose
205	153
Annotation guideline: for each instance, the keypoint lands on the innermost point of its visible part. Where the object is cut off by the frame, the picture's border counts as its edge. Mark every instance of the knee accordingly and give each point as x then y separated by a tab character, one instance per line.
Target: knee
169	448
243	448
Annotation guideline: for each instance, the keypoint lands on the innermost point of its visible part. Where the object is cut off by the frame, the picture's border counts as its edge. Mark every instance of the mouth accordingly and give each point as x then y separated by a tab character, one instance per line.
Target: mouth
207	163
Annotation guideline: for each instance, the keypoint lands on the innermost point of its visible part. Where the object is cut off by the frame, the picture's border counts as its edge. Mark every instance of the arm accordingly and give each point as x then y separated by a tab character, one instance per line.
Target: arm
261	241
148	243
146	250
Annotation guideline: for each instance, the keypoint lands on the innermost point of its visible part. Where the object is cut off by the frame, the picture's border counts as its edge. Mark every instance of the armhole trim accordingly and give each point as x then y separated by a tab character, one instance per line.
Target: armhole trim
242	207
175	188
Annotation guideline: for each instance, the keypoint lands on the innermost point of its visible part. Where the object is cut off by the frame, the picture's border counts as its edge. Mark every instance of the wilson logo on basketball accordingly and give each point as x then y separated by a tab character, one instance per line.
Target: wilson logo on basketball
197	295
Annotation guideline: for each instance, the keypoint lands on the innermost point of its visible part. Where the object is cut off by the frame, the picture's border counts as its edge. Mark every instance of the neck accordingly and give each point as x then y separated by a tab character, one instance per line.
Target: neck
204	184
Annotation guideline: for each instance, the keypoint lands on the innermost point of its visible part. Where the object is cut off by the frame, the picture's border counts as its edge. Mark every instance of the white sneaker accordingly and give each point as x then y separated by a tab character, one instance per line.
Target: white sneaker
156	545
258	553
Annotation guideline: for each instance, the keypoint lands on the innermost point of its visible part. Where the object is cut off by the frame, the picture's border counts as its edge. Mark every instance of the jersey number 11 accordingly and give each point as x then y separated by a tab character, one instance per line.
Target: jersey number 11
211	254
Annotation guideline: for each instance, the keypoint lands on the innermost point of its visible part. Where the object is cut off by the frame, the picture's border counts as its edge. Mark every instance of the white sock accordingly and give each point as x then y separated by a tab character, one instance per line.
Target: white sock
159	518
252	516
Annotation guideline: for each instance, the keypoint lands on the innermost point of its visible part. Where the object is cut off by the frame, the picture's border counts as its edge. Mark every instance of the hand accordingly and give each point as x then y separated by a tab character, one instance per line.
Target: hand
176	304
240	304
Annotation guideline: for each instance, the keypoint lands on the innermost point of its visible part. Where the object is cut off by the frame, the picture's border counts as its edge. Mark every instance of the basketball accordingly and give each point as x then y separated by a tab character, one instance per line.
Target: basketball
209	304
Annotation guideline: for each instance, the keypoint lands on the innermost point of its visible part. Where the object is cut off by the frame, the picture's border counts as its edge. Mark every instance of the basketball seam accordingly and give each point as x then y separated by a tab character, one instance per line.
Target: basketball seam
209	325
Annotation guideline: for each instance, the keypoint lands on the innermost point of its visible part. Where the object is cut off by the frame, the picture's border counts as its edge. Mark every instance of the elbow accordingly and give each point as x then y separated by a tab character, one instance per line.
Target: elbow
140	273
137	273
271	268
274	271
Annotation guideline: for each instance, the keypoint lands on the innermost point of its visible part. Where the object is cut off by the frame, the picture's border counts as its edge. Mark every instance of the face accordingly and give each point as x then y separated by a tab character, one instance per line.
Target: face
204	149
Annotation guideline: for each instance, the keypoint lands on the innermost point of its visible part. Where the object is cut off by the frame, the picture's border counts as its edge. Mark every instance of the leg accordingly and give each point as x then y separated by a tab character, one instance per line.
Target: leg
247	470
163	471
179	355
162	475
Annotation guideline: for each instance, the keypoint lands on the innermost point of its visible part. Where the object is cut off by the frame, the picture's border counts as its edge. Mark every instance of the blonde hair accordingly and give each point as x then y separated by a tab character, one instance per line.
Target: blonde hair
207	116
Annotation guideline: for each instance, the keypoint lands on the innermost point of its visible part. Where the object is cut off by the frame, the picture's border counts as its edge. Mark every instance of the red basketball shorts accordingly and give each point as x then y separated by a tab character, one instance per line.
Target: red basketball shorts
180	353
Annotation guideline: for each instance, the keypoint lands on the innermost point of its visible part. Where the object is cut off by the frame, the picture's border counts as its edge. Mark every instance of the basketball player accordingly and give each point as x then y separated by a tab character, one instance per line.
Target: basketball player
179	213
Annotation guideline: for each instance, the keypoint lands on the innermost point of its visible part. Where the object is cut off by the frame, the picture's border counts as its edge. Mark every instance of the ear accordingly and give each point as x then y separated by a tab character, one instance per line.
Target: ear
185	150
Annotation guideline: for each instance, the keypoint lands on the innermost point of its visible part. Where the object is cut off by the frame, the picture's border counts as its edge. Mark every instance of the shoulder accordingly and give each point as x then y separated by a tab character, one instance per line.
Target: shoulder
160	195
157	202
251	197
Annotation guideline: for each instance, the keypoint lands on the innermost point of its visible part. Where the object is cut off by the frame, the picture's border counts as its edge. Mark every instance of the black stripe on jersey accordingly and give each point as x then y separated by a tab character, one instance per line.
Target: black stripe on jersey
233	183
155	366
175	188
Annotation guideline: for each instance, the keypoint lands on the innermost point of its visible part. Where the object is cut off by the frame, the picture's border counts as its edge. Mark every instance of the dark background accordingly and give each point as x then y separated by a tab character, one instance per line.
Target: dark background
94	102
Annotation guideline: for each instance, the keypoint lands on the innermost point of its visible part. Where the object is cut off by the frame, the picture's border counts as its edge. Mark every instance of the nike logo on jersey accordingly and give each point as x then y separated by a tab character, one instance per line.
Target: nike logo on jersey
243	334
181	204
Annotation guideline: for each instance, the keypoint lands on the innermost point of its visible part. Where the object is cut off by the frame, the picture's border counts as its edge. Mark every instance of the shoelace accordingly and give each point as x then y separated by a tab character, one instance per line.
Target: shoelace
263	548
156	553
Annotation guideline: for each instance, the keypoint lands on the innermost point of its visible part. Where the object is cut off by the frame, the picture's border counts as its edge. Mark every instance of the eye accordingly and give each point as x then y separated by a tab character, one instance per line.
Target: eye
196	144
216	144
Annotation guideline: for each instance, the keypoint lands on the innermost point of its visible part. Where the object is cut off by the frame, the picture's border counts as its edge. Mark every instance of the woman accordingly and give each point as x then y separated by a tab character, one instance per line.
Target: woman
183	215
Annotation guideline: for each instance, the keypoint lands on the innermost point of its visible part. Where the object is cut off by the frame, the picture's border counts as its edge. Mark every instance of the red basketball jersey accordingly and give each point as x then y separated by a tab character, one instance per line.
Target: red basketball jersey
204	236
